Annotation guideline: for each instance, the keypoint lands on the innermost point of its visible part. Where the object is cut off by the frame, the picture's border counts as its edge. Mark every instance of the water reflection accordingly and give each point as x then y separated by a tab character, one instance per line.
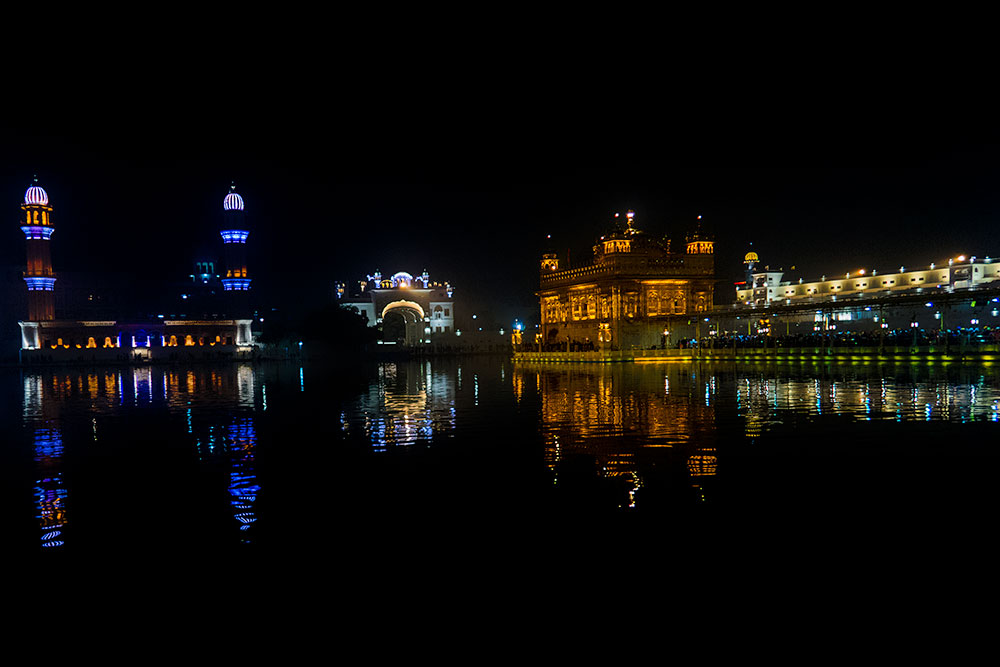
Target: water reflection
50	491
63	412
625	419
642	438
405	404
769	398
632	421
243	486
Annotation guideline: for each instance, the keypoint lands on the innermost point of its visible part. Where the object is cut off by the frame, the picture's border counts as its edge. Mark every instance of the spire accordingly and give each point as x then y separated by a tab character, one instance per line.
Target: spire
699	243
629	222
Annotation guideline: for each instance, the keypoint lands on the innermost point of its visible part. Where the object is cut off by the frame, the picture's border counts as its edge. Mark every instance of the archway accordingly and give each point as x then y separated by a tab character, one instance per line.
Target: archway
403	322
394	328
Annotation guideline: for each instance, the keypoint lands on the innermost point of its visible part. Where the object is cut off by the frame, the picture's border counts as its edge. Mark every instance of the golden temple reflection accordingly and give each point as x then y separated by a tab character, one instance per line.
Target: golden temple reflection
704	463
517	385
624	418
617	416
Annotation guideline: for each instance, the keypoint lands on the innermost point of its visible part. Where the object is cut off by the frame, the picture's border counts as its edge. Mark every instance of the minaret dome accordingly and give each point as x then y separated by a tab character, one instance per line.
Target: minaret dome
232	202
36	195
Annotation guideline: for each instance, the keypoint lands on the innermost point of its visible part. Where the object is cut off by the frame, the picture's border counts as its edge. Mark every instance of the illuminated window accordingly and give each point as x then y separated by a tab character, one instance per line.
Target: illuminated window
91	342
188	340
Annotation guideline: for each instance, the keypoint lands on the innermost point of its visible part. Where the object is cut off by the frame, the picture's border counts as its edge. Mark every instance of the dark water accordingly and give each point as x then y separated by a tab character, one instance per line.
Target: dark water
419	455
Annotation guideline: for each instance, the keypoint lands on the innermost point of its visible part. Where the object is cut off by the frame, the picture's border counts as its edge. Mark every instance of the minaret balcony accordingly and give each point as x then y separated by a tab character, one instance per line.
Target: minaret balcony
234	235
236	284
37	284
37	232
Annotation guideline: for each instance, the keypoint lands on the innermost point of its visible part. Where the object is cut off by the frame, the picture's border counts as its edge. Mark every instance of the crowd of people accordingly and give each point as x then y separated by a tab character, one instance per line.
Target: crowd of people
909	337
569	346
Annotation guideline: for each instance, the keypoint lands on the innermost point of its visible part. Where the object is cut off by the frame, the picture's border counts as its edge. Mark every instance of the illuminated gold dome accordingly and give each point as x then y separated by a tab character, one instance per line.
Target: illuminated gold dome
750	257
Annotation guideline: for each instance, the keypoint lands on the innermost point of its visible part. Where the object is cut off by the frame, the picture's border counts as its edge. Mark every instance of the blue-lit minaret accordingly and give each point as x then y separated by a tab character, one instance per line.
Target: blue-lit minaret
234	238
38	274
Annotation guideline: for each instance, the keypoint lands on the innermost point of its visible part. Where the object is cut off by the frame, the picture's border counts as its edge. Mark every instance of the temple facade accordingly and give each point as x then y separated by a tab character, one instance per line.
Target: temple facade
635	294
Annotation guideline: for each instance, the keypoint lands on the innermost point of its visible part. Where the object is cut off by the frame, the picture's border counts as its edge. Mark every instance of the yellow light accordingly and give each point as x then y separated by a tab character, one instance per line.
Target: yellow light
961	258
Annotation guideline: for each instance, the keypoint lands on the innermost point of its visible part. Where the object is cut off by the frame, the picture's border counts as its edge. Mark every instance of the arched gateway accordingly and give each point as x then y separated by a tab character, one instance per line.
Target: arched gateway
412	327
410	309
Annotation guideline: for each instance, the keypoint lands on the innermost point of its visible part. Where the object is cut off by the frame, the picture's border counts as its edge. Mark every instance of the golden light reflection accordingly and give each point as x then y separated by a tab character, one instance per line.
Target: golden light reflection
409	403
622	418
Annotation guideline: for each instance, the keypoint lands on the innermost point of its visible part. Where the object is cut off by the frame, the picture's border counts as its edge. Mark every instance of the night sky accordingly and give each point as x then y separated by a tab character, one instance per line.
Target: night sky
322	207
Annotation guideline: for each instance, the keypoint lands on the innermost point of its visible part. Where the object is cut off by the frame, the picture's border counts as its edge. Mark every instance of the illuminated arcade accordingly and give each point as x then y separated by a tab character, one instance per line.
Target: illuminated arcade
961	292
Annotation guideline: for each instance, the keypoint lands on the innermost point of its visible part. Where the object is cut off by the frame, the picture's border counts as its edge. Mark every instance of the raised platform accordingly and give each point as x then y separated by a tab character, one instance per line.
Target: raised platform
953	354
605	357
